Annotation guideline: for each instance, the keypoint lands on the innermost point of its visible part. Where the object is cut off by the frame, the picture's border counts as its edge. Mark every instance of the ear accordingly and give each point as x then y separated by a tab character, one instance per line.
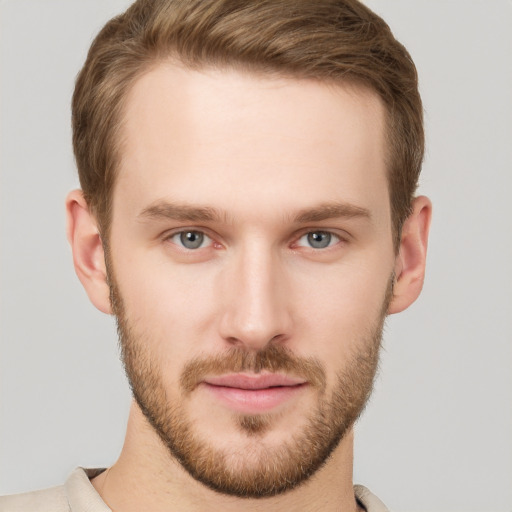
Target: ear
88	255
411	259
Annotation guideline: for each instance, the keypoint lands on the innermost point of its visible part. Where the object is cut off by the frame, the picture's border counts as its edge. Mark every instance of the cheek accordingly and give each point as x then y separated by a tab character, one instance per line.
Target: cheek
170	307
343	308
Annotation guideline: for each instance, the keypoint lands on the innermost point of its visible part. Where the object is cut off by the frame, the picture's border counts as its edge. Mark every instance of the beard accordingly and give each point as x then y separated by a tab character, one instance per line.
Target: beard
256	470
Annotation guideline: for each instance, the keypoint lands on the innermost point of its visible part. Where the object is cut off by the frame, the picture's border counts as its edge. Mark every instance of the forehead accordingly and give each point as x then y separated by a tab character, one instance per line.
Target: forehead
213	133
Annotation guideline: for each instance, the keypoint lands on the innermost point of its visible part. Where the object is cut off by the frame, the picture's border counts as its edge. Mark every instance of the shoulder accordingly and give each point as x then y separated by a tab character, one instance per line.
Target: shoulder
47	500
77	495
368	500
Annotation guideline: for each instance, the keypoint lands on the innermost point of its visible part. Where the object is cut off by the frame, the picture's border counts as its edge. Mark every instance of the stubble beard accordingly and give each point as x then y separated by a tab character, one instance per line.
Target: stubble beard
258	470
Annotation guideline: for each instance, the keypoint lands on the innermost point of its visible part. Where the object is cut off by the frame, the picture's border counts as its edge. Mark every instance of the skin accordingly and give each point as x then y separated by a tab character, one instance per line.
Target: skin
267	155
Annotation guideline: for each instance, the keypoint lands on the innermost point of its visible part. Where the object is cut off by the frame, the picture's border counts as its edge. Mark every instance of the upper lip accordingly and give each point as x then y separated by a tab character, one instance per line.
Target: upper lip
253	381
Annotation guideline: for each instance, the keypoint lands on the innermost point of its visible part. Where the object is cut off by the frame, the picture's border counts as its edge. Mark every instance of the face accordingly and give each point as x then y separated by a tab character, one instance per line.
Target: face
250	263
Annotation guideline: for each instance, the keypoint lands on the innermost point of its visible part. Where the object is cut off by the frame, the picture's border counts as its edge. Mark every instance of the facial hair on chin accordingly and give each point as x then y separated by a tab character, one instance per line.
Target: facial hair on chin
268	470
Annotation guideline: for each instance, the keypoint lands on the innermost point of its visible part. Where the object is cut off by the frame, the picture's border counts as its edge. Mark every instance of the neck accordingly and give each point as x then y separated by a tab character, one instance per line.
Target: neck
146	477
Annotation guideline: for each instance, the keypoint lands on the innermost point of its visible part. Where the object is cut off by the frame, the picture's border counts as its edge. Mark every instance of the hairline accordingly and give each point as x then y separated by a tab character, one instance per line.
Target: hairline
352	83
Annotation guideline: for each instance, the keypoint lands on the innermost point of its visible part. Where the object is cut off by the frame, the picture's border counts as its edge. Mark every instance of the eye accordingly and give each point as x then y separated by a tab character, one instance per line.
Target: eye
191	239
318	239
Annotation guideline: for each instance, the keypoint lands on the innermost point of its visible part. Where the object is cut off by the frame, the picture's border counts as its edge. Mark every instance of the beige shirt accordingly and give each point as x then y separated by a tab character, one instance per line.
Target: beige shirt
78	495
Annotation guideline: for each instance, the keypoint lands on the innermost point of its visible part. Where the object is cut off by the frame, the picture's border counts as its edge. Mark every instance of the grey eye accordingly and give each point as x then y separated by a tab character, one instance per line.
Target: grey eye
190	239
318	239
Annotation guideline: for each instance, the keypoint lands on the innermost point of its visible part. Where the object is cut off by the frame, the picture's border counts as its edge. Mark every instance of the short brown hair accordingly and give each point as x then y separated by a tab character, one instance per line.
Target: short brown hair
328	40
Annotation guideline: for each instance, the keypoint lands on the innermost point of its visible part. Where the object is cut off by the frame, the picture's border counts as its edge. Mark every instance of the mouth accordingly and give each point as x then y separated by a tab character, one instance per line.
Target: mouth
253	393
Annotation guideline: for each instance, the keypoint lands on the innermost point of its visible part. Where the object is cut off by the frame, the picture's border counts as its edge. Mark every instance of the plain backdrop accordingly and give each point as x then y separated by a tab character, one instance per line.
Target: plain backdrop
437	434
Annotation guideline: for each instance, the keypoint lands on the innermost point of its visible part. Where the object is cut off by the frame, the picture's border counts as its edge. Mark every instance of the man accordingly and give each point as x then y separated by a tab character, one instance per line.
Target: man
247	213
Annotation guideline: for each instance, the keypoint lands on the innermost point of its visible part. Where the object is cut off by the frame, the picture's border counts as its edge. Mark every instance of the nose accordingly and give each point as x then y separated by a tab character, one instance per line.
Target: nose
256	308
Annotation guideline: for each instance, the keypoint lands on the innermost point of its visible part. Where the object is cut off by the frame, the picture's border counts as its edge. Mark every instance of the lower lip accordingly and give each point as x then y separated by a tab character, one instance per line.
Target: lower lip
254	401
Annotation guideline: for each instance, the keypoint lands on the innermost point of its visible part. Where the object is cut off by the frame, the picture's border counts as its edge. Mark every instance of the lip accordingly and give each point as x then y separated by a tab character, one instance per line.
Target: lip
254	381
253	394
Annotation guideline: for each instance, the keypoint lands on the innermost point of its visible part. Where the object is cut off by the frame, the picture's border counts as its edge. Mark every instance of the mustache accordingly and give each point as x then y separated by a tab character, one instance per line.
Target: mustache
273	359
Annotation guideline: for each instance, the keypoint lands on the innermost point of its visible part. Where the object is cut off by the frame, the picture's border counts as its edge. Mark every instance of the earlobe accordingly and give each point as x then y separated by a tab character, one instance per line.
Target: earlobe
88	254
411	259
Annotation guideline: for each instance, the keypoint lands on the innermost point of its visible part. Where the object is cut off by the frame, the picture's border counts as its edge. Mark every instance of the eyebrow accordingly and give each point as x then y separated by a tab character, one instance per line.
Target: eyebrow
332	210
164	210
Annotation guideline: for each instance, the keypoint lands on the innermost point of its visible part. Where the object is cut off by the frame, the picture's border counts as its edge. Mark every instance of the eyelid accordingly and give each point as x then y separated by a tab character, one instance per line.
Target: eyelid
340	235
170	234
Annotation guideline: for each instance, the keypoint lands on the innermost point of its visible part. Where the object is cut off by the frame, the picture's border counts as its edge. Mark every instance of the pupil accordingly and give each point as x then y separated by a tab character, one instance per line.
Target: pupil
191	239
319	239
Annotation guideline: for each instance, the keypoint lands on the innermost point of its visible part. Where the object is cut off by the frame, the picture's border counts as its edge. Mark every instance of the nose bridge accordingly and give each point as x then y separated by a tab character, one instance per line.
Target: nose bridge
256	311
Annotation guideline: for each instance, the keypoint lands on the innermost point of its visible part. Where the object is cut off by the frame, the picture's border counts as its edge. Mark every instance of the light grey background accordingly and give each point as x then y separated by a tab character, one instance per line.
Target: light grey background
437	435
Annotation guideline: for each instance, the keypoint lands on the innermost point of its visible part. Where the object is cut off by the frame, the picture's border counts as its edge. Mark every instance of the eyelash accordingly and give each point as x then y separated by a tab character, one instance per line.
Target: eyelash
332	239
204	237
